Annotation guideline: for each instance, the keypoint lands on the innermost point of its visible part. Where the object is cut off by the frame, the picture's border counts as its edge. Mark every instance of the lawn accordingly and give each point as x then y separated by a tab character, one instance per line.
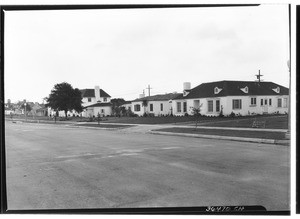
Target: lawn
271	121
234	133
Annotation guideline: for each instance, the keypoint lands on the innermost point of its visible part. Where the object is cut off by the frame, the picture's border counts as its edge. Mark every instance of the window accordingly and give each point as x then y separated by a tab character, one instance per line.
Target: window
266	101
151	107
261	102
129	108
217	105
210	106
270	102
285	102
184	107
279	102
178	107
161	107
253	101
216	90
102	110
137	107
89	99
237	104
104	99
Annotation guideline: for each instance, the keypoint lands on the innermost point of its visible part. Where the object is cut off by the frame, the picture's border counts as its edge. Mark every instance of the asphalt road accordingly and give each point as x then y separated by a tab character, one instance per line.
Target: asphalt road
58	167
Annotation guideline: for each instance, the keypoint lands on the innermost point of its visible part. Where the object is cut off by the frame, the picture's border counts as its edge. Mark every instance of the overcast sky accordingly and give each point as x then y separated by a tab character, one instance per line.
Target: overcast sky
123	51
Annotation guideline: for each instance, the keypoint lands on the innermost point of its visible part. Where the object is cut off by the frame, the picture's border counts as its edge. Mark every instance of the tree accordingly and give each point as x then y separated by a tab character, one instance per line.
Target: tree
28	107
116	105
145	104
196	113
64	97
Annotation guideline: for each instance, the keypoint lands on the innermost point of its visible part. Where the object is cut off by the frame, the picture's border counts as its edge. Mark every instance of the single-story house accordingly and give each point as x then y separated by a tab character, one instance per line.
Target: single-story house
157	105
103	109
238	97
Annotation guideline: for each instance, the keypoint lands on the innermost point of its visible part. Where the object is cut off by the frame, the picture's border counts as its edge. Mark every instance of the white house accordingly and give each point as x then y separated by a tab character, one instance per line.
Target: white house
157	105
127	105
92	96
94	101
239	97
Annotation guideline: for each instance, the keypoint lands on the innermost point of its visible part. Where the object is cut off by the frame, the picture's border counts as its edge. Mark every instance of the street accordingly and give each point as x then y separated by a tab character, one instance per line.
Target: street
60	167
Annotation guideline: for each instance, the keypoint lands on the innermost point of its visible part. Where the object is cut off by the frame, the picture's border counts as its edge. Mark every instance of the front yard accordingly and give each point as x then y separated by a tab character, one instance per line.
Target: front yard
271	121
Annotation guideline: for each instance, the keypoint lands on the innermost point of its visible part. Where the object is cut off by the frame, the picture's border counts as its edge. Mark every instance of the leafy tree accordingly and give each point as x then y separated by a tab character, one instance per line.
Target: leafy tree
64	97
196	113
123	110
116	105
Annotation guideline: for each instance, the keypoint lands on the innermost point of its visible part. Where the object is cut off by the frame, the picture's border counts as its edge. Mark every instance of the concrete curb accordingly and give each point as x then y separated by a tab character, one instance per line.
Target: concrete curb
95	128
230	138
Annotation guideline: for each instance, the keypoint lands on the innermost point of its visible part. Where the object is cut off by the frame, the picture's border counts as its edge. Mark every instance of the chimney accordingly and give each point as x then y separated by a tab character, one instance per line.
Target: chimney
141	95
97	93
186	88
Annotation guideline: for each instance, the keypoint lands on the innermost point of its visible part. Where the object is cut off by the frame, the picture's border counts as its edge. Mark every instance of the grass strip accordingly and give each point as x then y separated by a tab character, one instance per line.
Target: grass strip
233	133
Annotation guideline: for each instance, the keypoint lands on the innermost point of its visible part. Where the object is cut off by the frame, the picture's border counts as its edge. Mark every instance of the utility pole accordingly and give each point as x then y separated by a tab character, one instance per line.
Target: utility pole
258	76
149	90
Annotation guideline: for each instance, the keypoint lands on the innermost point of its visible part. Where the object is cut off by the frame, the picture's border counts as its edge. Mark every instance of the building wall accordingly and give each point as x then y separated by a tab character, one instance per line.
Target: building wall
85	101
227	104
167	107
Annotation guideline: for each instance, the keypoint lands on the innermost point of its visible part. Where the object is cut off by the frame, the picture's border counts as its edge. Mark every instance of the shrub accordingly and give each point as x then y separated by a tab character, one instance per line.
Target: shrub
232	114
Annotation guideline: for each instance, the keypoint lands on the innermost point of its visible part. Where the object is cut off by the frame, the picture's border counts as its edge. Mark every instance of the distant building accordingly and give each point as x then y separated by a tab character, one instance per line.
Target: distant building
127	105
239	97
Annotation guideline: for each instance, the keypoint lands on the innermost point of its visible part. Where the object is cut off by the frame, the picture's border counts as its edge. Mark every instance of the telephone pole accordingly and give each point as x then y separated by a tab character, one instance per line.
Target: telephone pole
149	90
258	76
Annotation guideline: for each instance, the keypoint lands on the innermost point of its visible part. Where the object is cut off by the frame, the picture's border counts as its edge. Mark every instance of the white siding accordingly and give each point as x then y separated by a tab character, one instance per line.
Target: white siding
156	108
226	103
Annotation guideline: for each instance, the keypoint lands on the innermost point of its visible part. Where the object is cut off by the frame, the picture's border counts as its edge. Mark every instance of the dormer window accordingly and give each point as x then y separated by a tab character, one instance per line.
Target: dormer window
217	90
277	90
185	93
245	89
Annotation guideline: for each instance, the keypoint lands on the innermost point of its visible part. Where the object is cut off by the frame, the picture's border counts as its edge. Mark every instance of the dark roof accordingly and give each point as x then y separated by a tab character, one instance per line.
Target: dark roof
91	93
127	102
98	105
159	97
233	88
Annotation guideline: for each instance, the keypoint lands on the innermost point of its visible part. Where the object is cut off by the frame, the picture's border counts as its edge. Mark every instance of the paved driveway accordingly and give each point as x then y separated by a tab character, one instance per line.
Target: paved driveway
57	167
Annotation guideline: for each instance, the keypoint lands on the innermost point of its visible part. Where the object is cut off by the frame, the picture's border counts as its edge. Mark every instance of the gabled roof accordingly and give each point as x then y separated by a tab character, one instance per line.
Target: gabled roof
91	93
233	88
159	97
99	104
